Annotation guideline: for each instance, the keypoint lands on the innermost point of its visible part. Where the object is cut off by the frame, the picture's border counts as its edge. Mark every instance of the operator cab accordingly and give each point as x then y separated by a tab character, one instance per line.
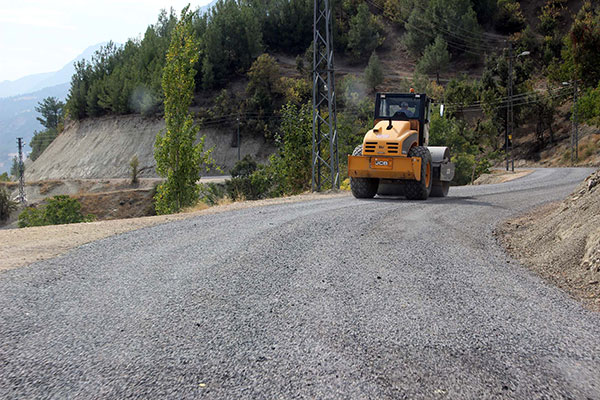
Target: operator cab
412	107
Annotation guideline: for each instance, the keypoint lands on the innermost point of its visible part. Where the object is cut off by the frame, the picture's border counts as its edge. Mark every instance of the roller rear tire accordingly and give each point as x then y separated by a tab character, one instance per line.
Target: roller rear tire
420	190
363	188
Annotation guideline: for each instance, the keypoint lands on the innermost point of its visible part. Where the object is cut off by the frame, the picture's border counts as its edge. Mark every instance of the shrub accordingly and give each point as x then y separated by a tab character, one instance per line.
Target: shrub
464	143
211	193
291	166
59	210
134	164
249	181
373	73
243	168
6	204
550	16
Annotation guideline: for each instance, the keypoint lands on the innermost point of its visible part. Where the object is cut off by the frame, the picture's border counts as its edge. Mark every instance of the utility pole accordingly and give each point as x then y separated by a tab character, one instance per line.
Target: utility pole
575	126
22	199
510	116
238	138
509	109
325	159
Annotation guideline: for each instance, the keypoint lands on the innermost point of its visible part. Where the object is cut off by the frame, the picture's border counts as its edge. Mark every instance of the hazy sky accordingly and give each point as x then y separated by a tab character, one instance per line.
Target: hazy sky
44	35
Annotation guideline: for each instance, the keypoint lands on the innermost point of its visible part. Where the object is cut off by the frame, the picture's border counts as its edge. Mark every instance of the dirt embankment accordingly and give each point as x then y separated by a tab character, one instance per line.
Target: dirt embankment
105	199
501	176
101	148
561	241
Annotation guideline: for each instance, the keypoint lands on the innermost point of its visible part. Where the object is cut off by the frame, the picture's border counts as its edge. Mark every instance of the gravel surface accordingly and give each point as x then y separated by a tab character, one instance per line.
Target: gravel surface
19	247
334	298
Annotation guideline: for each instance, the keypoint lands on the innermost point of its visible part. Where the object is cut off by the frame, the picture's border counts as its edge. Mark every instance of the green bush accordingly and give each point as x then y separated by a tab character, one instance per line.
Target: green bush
465	146
134	165
211	193
58	210
249	181
291	167
6	204
589	106
373	74
469	168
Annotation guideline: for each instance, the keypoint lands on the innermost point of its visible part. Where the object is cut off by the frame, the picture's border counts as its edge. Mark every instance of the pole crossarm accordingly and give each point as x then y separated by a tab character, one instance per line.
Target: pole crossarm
325	159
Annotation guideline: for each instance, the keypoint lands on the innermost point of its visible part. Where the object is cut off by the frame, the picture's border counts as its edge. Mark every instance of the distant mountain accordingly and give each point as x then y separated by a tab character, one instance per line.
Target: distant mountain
19	98
204	9
18	119
33	83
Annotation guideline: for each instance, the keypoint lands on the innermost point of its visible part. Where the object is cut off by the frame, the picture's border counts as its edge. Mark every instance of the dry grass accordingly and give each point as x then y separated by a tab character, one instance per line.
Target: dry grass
47	186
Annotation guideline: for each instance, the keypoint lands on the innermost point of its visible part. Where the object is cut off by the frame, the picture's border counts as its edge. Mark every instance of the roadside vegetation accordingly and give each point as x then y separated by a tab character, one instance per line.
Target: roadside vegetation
178	158
7	205
51	117
57	210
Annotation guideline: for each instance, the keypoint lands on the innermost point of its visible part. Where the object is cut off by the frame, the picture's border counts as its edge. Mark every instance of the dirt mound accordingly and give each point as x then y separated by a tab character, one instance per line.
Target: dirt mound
500	176
99	148
561	241
133	203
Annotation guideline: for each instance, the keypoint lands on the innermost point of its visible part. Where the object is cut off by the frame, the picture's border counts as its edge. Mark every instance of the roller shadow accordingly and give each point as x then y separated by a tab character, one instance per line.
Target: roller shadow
458	200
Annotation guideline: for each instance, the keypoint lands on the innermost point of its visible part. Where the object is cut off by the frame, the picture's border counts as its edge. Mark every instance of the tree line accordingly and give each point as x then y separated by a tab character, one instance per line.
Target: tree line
234	37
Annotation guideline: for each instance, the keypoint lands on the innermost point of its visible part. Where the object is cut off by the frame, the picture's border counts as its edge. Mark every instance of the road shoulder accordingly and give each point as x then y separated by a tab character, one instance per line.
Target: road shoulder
20	247
561	242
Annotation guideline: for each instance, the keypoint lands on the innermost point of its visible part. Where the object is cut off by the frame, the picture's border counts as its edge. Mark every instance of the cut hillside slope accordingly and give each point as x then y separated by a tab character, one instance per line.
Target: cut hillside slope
102	148
561	241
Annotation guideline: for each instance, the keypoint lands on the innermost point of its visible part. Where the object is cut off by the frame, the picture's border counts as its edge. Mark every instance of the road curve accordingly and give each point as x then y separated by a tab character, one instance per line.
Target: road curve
334	298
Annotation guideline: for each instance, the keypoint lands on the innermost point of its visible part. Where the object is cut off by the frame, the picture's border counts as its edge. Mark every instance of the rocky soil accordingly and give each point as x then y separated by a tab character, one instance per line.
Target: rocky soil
561	241
102	148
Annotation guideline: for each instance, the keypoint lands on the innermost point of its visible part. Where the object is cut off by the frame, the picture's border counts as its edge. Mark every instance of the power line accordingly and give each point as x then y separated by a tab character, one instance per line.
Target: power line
504	99
458	46
503	106
492	36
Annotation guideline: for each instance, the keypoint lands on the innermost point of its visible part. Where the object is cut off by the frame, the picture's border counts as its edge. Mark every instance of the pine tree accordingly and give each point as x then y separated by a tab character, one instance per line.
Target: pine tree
363	36
51	109
373	74
435	58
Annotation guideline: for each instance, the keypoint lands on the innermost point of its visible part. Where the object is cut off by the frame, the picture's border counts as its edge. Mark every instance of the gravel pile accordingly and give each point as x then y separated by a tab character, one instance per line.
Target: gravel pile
561	241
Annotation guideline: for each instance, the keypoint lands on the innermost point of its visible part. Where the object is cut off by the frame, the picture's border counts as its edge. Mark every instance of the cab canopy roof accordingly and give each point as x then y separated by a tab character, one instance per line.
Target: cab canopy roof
401	106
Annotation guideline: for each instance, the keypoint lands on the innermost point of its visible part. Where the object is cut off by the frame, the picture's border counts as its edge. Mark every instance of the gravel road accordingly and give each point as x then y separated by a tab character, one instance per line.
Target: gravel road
335	298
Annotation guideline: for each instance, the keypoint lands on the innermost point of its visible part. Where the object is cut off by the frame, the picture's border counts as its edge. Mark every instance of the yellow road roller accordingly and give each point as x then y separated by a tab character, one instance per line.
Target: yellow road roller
395	158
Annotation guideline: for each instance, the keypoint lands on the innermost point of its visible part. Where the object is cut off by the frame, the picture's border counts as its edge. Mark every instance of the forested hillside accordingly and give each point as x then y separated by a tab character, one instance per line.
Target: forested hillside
255	64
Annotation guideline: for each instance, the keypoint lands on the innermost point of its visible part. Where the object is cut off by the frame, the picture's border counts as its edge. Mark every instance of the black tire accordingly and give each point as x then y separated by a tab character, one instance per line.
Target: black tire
440	189
420	190
363	188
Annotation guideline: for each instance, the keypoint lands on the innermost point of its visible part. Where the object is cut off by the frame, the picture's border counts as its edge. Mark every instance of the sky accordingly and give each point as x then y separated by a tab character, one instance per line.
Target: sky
44	35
